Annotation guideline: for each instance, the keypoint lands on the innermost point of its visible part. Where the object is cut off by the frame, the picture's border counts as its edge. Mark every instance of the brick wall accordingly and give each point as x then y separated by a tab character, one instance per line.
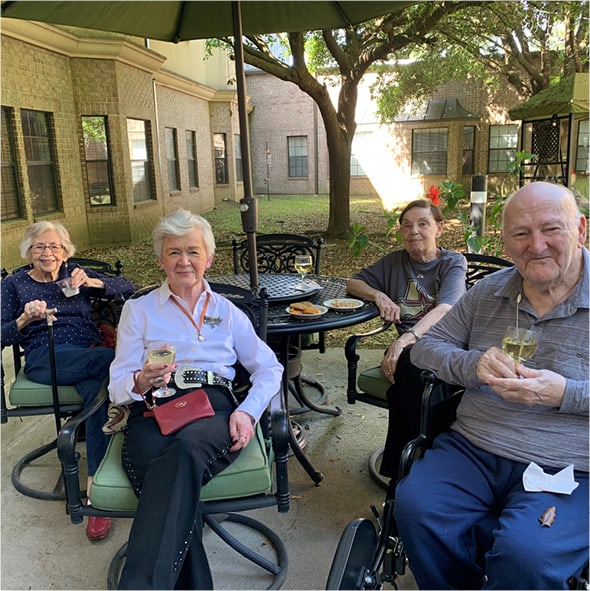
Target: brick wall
69	86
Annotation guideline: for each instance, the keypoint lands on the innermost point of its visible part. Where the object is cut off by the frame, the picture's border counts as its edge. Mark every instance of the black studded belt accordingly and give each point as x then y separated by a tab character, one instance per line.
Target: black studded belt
195	377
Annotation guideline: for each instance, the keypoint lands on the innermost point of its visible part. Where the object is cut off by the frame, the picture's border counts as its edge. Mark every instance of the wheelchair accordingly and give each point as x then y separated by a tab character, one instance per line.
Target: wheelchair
367	556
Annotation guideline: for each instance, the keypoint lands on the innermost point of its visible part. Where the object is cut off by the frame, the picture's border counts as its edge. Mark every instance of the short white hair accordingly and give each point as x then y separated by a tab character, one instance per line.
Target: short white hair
181	223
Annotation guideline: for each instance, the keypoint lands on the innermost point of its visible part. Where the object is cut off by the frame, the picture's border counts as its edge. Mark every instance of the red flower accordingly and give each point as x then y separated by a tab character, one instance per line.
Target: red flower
433	195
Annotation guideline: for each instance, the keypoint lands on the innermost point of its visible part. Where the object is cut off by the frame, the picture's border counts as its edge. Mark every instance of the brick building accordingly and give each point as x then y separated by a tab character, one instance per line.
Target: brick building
463	130
107	135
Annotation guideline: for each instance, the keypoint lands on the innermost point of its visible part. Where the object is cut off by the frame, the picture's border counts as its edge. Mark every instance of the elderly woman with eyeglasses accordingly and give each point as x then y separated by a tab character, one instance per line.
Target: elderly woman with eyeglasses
26	297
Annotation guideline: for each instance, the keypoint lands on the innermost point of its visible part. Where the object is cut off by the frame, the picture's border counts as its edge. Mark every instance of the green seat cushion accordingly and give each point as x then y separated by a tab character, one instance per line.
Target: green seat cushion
23	392
250	474
373	381
309	340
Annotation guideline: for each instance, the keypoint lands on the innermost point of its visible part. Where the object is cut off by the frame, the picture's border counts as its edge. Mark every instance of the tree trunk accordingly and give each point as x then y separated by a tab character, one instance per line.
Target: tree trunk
339	147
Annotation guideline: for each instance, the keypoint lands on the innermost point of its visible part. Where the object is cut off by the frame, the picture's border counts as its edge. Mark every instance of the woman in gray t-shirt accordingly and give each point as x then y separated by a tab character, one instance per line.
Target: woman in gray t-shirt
413	287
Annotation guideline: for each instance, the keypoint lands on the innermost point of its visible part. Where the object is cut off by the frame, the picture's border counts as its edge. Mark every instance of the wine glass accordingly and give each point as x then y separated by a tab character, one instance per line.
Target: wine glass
162	353
303	264
520	343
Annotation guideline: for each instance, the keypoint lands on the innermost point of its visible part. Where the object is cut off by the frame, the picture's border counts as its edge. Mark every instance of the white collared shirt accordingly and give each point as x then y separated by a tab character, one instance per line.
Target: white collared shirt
228	336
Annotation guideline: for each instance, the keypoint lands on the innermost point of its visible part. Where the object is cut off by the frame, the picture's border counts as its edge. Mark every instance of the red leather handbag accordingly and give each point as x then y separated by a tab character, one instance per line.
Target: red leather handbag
179	412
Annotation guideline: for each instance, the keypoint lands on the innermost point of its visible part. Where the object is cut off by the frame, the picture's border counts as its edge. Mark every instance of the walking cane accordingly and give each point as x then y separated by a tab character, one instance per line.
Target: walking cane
49	317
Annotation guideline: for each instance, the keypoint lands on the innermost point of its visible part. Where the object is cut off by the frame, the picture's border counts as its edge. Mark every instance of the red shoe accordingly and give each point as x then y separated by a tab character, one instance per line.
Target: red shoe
98	528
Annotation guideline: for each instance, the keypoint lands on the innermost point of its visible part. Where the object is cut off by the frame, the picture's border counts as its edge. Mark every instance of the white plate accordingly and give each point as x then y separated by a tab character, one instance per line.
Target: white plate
344	304
322	309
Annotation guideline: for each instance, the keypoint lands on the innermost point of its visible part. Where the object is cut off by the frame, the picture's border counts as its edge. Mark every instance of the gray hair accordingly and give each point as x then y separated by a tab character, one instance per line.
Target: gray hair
180	223
38	228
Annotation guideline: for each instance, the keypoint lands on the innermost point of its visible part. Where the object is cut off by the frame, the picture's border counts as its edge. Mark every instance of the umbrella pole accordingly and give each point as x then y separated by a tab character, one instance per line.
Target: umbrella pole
248	205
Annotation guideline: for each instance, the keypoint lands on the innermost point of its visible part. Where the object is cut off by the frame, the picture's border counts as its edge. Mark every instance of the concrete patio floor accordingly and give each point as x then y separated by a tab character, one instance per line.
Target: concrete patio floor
41	549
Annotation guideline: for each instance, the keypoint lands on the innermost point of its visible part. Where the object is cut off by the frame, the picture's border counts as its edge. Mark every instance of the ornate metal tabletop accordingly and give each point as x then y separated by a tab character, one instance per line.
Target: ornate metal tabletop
282	290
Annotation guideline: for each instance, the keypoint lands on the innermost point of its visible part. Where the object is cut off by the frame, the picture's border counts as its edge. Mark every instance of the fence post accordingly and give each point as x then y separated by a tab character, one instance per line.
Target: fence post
477	207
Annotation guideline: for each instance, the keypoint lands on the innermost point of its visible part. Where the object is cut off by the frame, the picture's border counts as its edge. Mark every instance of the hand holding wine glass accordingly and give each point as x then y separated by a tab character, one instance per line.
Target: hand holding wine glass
303	264
162	353
520	343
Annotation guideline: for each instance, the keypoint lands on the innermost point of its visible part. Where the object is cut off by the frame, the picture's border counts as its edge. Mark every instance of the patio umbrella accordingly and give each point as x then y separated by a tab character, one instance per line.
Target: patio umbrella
183	21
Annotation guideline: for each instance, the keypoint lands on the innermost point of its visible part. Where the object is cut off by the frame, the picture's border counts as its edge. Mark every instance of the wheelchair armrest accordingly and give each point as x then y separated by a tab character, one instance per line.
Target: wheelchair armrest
412	451
352	358
439	404
70	458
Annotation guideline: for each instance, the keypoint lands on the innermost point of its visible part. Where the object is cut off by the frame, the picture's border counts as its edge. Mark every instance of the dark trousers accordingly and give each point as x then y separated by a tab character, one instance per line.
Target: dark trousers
86	369
454	489
165	549
404	400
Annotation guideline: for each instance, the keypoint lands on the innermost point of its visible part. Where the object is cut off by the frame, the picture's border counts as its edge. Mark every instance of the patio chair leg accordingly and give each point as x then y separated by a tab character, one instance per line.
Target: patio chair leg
58	493
374	461
278	568
301	397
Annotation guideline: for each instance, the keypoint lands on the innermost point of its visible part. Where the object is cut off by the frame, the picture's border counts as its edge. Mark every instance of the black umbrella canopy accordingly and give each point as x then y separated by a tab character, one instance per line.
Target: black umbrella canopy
184	21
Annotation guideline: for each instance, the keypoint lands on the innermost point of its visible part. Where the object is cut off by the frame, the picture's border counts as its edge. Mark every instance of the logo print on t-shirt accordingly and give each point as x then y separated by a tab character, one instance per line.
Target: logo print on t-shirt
416	303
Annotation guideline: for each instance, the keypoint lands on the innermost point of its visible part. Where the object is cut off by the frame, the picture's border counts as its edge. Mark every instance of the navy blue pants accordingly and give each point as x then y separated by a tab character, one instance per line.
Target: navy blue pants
86	369
455	488
165	548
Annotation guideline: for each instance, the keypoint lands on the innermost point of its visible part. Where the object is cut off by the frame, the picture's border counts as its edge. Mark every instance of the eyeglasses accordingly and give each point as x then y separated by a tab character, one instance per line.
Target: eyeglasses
40	248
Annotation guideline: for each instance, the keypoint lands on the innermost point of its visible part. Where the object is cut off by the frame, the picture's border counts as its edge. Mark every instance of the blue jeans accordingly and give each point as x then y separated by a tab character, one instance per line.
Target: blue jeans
456	487
86	369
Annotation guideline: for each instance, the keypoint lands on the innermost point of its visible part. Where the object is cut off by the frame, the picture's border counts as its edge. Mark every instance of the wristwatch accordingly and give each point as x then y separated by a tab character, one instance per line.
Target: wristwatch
412	331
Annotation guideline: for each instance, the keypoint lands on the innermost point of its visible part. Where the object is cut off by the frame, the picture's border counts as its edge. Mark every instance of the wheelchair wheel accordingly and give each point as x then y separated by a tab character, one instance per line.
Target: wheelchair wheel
354	556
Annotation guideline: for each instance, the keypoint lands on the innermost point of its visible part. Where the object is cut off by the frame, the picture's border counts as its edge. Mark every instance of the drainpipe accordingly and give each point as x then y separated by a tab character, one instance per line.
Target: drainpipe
157	122
315	149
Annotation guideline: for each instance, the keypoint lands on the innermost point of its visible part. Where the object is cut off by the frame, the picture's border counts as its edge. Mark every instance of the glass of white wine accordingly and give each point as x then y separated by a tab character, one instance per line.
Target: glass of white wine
520	343
303	264
162	353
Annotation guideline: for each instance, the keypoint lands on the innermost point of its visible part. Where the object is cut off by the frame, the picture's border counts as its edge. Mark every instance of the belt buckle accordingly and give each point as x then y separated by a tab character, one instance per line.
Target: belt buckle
181	380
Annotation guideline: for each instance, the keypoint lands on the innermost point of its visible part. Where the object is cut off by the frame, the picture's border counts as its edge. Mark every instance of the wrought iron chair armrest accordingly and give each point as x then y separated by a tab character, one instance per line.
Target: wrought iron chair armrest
280	446
352	358
70	458
352	341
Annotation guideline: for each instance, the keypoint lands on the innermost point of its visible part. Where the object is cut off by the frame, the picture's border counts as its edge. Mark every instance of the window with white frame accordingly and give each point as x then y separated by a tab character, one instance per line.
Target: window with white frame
140	153
41	161
172	159
297	150
220	155
97	160
359	151
583	148
502	147
429	151
238	159
191	157
468	146
11	203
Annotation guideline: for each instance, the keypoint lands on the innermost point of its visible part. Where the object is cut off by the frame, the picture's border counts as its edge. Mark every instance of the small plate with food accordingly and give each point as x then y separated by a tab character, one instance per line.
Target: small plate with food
306	310
344	304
